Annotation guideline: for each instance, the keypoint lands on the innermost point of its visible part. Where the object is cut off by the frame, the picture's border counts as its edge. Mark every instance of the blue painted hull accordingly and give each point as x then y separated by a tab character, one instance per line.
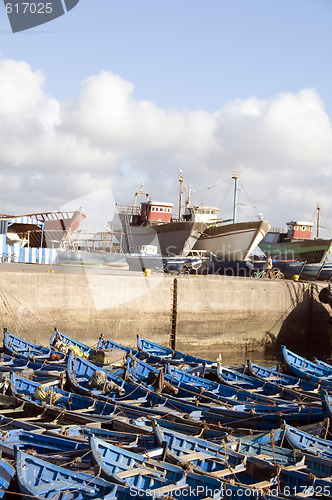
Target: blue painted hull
24	349
305	369
7	473
267	374
305	442
40	479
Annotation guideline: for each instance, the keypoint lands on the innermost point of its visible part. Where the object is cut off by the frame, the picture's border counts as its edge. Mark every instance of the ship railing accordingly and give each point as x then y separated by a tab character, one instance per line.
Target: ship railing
278	230
127	209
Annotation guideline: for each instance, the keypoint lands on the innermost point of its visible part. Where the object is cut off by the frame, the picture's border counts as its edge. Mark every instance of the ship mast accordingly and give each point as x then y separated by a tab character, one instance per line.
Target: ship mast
235	176
180	195
318	217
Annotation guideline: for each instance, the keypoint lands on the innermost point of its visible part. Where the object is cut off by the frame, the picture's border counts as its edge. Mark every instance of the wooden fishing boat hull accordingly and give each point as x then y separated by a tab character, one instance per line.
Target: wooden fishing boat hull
24	349
7	473
305	369
305	442
39	479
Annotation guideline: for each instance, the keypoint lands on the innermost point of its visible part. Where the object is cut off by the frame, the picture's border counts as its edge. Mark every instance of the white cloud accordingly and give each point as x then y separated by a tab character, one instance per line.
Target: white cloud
53	151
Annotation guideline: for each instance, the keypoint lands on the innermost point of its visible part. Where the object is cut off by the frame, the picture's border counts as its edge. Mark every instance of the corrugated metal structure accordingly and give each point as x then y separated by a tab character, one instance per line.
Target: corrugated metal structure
16	235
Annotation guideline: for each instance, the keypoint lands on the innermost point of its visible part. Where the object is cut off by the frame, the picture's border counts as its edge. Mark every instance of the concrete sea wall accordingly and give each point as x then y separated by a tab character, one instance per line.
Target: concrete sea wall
212	312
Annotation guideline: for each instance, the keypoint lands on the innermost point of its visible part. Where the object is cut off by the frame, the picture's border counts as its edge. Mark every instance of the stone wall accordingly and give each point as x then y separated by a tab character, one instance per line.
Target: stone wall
213	312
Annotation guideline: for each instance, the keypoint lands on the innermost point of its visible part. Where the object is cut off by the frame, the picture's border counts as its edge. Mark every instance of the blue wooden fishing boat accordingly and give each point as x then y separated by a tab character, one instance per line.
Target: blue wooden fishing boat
253	416
306	388
263	393
184	448
104	343
77	406
7	472
24	389
38	369
119	465
8	424
83	432
184	444
327	403
205	389
59	338
52	448
268	388
308	370
308	443
154	349
81	374
40	479
322	363
143	425
19	347
183	380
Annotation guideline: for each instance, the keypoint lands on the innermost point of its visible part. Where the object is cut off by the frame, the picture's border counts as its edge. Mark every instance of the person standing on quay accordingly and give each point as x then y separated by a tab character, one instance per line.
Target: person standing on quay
268	267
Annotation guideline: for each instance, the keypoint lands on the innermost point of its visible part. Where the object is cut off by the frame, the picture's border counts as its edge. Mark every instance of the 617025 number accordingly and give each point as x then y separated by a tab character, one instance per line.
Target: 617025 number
29	8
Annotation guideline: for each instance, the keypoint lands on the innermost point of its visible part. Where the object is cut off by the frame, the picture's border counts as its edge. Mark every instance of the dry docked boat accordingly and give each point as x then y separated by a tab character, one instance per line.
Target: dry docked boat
152	227
229	239
295	243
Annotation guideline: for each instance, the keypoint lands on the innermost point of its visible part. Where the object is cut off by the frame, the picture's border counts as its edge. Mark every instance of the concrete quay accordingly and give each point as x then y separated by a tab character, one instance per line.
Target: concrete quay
213	313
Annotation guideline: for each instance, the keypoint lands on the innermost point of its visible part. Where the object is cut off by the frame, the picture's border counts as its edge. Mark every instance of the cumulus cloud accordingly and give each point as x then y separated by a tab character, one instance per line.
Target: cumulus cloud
104	138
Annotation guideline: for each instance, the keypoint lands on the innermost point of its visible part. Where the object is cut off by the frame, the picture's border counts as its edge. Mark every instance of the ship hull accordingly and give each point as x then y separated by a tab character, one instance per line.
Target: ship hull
233	241
58	227
310	251
171	239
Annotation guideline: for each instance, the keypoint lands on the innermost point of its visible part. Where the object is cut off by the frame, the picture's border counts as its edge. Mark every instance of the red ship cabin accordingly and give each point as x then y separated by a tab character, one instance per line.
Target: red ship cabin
156	211
300	230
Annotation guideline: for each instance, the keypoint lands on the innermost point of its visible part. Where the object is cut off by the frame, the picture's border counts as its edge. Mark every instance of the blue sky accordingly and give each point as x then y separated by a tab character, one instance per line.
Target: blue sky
124	92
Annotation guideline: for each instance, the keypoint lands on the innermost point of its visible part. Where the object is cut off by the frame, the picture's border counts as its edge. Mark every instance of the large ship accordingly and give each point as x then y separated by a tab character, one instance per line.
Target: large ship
197	230
296	243
151	228
56	228
227	240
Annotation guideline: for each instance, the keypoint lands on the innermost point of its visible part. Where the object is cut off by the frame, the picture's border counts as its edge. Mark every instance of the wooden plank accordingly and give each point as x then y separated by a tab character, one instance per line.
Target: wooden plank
169	488
228	471
262	484
136	471
195	455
